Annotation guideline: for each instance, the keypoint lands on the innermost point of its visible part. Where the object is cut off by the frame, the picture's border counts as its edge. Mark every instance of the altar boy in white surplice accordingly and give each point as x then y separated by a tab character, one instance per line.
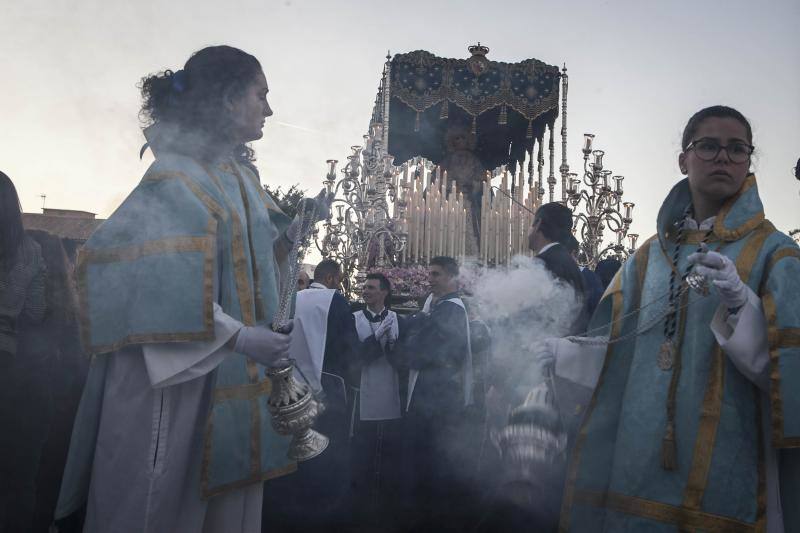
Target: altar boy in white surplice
376	420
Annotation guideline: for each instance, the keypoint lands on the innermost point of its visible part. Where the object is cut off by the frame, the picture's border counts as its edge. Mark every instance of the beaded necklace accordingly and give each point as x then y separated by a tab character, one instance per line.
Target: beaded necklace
666	354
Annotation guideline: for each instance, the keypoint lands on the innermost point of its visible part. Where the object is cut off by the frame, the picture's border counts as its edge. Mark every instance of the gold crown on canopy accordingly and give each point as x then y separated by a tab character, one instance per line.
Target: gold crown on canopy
478	49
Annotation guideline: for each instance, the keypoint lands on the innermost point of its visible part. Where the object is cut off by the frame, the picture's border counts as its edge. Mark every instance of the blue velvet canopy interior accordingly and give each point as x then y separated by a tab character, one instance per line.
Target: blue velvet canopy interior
507	105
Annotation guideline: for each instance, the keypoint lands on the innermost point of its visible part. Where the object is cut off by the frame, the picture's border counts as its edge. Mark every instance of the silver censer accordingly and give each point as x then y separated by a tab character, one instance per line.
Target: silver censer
291	403
534	438
533	448
294	410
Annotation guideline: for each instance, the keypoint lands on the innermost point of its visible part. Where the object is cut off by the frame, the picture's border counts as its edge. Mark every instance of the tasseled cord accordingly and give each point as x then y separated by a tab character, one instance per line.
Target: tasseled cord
669	452
669	447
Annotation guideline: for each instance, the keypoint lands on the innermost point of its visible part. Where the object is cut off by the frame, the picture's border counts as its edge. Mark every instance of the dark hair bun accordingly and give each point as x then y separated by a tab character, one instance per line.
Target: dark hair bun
193	98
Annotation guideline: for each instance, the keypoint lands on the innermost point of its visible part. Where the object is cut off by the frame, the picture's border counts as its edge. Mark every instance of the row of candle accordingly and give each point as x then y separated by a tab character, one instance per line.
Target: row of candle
506	218
433	219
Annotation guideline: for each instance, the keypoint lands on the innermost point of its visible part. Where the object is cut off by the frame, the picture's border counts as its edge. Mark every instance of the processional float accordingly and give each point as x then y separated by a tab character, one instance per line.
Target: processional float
453	163
458	156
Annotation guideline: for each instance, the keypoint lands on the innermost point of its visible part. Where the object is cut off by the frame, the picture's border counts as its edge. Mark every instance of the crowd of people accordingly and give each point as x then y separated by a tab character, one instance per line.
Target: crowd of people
676	381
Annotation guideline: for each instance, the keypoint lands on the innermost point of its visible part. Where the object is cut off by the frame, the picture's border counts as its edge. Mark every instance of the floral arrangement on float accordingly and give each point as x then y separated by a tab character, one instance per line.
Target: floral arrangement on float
409	283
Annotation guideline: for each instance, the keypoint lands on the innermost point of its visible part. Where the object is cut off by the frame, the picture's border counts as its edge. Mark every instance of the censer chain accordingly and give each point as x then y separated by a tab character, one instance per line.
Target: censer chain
588	340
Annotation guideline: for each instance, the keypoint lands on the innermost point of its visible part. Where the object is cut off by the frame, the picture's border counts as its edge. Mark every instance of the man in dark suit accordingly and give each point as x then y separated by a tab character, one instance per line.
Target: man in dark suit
438	441
592	285
520	501
551	229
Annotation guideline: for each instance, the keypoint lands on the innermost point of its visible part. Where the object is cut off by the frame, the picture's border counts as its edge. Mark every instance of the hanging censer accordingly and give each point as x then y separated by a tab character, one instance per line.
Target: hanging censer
534	436
291	403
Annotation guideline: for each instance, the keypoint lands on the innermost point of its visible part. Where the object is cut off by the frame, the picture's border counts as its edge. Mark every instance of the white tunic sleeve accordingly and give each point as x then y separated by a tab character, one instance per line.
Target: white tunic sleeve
170	363
580	363
577	369
743	338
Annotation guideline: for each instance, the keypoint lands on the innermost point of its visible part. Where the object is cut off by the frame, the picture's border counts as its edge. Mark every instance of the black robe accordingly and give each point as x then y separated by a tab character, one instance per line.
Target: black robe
441	443
561	264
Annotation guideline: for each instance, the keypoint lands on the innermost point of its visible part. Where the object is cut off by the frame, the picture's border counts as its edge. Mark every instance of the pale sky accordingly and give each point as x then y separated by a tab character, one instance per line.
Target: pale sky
638	69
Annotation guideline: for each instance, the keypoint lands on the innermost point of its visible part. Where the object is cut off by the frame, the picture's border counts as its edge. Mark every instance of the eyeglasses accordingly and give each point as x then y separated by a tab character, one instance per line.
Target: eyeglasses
708	149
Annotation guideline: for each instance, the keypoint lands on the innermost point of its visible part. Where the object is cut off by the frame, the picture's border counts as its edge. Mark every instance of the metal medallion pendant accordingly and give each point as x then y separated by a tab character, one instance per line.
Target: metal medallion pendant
666	355
698	283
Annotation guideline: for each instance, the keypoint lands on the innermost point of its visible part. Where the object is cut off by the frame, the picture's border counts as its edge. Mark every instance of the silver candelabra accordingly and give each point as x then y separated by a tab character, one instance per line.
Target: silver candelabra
597	205
366	227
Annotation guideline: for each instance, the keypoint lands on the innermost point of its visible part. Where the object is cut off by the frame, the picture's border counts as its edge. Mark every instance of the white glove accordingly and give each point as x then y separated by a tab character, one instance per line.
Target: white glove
723	274
321	209
323	202
544	353
262	344
385	327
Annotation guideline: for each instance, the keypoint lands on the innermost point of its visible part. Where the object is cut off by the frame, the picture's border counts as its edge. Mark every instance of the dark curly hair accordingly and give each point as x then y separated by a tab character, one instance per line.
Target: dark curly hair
192	98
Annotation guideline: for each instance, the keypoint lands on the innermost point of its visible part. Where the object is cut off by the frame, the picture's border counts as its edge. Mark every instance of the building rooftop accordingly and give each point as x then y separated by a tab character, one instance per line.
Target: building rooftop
64	223
67	213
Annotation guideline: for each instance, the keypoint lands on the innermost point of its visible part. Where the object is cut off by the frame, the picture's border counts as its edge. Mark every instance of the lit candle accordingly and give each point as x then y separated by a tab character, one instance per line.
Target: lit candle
436	211
496	215
417	225
451	231
428	228
442	224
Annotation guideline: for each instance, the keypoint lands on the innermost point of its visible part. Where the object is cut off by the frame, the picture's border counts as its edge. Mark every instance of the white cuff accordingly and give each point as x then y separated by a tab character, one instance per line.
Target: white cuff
743	338
170	363
579	363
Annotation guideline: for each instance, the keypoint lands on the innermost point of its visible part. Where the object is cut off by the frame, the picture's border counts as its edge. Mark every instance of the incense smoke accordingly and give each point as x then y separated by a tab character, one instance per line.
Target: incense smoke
522	305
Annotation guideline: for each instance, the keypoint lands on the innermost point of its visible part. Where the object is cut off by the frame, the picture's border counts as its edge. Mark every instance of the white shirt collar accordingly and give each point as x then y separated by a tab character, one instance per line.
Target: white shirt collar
367	310
691	223
316	285
545	248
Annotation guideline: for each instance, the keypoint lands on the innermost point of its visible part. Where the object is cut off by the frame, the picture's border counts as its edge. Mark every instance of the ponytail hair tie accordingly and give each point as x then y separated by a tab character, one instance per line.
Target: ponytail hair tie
178	81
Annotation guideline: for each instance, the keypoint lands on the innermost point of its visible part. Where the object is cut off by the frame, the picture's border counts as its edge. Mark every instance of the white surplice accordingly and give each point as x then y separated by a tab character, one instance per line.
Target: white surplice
310	332
379	384
149	482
